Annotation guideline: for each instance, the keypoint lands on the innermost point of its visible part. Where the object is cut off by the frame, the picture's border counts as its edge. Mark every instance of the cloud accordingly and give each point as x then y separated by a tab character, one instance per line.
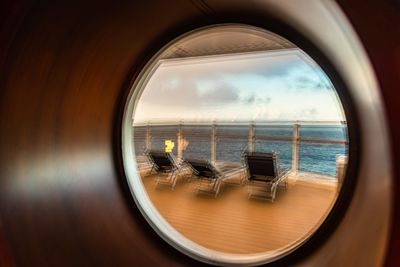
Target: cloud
278	70
254	99
311	78
250	99
266	100
266	88
222	93
186	93
309	112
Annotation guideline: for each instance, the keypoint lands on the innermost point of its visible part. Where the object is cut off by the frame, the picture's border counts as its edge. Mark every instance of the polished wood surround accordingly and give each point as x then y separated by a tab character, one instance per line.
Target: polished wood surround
64	73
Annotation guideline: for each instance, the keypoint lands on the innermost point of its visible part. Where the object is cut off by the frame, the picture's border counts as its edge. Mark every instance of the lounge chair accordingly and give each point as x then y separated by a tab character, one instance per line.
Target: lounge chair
264	175
166	166
210	177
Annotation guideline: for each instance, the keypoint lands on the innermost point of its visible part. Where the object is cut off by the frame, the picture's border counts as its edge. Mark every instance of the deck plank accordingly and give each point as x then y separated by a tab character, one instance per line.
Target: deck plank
235	224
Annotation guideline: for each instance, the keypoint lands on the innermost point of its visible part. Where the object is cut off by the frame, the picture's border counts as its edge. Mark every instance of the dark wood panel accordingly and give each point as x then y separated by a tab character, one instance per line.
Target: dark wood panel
61	200
64	65
378	25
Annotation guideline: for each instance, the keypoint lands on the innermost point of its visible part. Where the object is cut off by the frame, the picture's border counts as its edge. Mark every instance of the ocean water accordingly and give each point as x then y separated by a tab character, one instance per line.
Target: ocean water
314	155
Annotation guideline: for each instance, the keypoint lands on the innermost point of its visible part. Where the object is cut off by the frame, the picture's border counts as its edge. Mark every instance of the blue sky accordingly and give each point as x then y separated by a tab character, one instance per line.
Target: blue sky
263	86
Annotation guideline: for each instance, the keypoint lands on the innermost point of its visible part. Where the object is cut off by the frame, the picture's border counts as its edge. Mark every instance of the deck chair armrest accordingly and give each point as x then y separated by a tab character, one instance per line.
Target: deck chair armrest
283	173
275	180
231	172
195	172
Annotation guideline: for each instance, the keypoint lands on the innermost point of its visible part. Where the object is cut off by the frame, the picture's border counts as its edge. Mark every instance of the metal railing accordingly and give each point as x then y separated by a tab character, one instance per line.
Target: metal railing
296	139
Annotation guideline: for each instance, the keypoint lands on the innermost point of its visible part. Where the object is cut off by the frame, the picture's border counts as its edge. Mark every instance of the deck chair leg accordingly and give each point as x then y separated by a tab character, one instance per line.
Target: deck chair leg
199	185
273	191
190	177
249	192
151	170
217	188
174	179
242	177
214	186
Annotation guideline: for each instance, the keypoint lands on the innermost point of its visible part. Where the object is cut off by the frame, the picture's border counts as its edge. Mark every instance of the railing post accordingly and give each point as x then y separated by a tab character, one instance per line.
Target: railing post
180	142
213	143
295	156
341	165
148	138
252	137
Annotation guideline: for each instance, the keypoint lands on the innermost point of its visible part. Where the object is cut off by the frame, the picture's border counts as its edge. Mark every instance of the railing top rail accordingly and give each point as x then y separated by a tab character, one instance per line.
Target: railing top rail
240	123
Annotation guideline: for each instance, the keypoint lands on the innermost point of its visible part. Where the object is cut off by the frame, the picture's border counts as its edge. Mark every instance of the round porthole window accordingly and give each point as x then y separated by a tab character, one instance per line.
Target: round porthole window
235	144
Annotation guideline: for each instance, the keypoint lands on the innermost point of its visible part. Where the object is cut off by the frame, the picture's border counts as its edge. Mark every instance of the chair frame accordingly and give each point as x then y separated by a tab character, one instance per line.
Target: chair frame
214	180
172	173
262	185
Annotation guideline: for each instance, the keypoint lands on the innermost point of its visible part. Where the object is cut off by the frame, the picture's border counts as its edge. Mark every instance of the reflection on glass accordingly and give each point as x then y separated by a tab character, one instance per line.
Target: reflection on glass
253	143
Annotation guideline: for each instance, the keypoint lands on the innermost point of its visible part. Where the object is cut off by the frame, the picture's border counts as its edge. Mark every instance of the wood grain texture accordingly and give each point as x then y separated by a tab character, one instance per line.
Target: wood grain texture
378	25
64	65
233	223
61	202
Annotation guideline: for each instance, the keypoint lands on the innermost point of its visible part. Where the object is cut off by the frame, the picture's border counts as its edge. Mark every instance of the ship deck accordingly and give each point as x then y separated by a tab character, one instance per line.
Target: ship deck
233	223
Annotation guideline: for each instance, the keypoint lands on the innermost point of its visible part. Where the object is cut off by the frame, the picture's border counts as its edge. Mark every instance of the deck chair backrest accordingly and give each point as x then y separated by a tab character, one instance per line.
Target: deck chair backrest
203	168
261	164
162	160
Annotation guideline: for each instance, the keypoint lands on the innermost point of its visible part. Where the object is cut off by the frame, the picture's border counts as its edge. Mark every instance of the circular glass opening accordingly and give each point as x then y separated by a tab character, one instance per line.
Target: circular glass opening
235	144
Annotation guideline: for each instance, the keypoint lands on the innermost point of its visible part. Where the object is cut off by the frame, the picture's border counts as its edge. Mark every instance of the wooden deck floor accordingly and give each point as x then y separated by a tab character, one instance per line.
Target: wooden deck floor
232	223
